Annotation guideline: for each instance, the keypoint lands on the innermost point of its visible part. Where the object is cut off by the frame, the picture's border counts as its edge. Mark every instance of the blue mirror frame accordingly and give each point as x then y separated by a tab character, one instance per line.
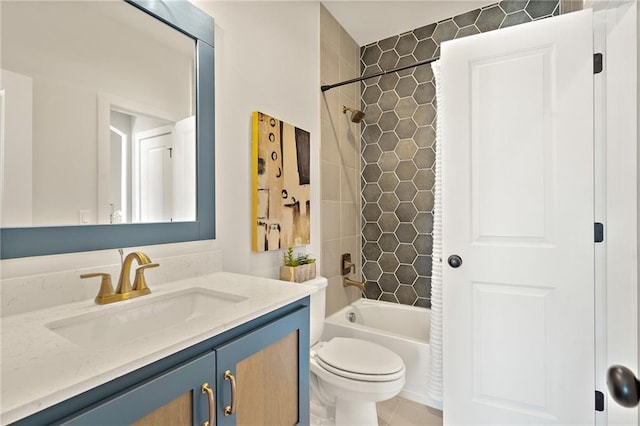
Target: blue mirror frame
38	241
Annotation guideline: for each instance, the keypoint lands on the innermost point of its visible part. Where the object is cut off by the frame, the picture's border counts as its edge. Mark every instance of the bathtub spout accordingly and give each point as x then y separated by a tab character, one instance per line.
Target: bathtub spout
346	282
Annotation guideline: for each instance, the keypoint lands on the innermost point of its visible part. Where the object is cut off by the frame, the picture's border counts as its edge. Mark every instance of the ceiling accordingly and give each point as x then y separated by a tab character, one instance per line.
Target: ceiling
370	21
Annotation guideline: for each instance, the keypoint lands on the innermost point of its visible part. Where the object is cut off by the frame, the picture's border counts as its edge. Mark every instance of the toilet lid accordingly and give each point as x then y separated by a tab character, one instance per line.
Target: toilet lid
360	360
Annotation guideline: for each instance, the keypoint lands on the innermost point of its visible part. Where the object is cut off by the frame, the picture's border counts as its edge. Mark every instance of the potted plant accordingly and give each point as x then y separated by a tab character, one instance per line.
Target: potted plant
297	267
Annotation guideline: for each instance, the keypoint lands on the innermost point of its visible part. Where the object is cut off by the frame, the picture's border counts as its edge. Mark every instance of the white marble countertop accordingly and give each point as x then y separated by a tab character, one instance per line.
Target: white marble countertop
41	368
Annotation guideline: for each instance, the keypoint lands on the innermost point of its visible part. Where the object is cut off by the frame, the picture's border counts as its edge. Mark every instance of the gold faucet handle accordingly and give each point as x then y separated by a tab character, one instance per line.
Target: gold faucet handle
140	283
106	288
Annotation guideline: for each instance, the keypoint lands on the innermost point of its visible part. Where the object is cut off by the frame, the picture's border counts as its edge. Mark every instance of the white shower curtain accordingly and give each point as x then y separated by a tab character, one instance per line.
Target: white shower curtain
434	382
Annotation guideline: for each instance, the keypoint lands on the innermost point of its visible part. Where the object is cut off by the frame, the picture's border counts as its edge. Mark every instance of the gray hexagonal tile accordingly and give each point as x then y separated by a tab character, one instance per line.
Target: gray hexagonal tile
388	60
425	49
371	54
406	43
406	295
470	30
406	274
406	107
423	303
425	136
406	191
371	95
422	265
491	18
371	192
510	6
406	212
388	282
424	115
424	158
404	61
371	231
388	222
388	242
388	202
388	181
423	73
406	149
466	18
406	86
423	244
406	128
515	19
372	290
424	32
539	8
388	43
372	114
371	153
388	121
388	141
388	297
371	70
388	262
388	161
371	173
371	212
422	286
371	134
388	82
406	253
406	170
424	201
445	30
406	233
371	251
371	271
425	93
388	100
424	179
423	223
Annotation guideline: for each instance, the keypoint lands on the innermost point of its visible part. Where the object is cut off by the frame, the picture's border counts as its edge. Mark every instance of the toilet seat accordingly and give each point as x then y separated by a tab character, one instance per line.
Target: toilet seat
359	360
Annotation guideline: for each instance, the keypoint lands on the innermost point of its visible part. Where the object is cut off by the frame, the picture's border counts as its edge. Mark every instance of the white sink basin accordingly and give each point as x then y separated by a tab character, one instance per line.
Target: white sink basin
141	317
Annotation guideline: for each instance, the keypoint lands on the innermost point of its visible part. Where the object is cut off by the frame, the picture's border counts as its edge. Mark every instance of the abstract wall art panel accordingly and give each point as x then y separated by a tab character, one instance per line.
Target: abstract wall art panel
281	180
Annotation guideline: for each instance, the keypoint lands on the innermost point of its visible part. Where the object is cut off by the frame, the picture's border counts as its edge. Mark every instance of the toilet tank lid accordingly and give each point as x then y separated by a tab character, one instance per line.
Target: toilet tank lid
318	282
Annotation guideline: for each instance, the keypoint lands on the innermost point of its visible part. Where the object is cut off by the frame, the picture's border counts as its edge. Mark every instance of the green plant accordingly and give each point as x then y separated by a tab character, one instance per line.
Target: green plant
291	259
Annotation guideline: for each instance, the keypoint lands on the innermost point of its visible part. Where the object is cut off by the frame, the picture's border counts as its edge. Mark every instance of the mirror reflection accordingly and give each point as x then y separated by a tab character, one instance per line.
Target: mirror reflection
97	104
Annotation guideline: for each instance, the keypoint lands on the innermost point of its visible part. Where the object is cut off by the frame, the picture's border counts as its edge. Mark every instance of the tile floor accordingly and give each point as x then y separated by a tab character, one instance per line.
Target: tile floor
402	412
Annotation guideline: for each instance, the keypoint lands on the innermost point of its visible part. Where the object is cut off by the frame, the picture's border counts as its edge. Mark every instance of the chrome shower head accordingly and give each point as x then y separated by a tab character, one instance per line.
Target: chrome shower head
356	115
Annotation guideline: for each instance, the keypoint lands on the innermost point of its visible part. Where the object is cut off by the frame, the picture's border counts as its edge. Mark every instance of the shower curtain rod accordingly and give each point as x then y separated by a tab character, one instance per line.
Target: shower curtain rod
364	77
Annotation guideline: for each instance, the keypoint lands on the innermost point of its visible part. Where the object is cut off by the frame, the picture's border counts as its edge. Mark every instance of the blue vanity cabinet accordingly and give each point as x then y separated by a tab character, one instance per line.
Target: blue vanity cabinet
263	376
176	397
268	358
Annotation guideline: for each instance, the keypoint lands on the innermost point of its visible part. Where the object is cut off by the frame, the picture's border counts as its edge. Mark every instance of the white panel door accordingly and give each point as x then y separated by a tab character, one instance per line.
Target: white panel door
156	175
518	203
184	170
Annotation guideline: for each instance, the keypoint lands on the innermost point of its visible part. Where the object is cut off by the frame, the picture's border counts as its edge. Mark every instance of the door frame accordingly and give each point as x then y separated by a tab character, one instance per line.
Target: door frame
617	195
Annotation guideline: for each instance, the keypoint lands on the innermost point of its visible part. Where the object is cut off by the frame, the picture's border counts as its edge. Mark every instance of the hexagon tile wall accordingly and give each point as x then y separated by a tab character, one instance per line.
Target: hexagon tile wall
398	148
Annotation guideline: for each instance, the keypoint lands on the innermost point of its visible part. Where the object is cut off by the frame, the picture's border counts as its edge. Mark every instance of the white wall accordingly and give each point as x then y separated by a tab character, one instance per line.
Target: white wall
267	59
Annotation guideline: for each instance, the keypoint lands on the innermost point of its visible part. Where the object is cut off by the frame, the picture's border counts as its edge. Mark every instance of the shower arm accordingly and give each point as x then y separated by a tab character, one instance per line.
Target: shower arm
326	87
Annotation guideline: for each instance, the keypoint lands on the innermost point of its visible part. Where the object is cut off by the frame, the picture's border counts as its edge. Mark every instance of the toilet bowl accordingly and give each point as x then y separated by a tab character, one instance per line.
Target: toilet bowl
348	376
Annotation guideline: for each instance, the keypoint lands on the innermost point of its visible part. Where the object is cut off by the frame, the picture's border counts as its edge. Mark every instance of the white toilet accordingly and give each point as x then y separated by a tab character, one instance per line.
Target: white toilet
350	374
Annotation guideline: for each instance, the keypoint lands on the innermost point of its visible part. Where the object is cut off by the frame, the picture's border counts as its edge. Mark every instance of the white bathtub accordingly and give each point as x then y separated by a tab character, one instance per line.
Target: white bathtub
401	328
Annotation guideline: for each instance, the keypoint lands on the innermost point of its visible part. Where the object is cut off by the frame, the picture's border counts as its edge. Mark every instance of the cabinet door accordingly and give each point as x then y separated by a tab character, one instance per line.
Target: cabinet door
270	367
173	398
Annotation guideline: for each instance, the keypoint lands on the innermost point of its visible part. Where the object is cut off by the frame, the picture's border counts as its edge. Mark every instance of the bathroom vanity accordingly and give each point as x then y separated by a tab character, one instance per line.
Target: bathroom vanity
221	348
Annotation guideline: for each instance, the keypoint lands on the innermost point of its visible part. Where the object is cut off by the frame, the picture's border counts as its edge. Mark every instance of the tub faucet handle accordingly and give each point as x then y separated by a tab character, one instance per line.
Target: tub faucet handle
347	266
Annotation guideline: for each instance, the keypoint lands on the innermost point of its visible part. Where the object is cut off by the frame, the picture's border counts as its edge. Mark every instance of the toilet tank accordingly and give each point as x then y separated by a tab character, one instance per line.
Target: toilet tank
316	309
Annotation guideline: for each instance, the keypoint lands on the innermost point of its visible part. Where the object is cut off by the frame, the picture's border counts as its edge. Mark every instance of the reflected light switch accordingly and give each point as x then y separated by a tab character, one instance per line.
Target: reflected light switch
84	216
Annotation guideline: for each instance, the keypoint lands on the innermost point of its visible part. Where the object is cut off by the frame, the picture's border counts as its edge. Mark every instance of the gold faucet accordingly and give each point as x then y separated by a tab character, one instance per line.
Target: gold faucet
346	282
124	290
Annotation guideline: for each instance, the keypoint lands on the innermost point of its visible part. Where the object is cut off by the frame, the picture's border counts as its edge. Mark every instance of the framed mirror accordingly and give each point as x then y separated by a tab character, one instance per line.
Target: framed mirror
106	126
